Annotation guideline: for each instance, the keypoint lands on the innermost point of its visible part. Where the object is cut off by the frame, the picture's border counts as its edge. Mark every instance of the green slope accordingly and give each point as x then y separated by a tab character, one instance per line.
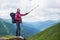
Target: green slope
6	28
3	28
52	33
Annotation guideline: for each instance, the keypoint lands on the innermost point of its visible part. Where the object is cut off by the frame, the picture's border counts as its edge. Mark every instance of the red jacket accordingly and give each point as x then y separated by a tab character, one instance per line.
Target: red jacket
18	16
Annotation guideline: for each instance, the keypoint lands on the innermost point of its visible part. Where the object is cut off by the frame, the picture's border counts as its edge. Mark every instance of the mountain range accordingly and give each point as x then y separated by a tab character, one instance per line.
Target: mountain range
27	28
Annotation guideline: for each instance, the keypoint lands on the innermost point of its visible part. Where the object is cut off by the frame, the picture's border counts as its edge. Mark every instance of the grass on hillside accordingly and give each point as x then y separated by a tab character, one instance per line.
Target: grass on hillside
52	33
8	36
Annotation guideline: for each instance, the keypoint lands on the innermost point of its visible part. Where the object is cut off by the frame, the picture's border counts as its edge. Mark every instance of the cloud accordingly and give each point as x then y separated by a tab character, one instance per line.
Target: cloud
54	3
47	10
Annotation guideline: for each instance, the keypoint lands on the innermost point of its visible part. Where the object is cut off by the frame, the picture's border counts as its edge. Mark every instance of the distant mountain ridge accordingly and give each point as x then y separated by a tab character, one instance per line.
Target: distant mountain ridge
32	28
28	28
38	25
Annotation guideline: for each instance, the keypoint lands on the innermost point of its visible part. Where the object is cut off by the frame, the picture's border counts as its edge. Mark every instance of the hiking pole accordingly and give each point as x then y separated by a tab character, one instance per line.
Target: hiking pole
33	8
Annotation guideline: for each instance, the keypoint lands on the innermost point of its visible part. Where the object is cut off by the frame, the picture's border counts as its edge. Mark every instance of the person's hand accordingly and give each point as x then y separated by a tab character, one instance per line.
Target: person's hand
26	13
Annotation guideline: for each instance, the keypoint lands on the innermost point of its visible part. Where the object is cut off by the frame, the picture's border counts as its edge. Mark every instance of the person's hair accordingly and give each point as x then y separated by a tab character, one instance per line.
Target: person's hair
18	9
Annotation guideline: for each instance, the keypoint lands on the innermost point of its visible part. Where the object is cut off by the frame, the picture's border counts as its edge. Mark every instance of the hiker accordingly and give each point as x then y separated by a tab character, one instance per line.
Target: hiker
18	20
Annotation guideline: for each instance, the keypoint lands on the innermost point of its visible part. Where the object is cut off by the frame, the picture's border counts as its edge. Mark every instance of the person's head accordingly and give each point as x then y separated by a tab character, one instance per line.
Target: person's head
18	10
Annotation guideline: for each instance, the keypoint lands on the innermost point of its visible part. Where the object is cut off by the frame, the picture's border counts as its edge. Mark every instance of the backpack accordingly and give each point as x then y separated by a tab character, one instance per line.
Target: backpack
13	17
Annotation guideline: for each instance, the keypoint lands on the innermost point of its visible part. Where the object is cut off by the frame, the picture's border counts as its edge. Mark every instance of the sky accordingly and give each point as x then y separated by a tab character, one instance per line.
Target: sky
47	9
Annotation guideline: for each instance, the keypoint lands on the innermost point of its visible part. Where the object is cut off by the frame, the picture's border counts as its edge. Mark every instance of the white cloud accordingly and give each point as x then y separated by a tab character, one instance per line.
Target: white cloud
47	10
54	3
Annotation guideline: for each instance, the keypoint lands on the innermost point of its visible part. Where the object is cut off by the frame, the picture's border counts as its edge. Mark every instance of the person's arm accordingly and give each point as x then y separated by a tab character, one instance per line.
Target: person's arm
24	14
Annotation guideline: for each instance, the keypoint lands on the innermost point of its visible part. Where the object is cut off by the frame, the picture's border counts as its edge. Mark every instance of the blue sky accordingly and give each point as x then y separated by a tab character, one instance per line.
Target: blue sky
47	10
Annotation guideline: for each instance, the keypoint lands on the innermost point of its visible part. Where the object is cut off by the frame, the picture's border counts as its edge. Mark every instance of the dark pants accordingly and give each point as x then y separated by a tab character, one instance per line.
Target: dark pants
18	29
